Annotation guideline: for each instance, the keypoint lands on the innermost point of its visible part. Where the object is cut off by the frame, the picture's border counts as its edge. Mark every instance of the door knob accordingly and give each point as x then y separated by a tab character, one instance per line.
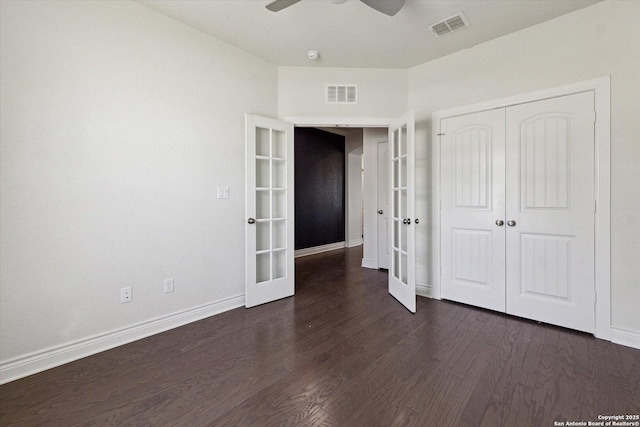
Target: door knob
499	223
251	221
511	223
417	221
406	221
380	211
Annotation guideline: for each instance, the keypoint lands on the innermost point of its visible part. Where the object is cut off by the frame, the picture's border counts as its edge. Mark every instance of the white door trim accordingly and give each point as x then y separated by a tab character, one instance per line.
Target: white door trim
354	122
383	242
340	122
602	90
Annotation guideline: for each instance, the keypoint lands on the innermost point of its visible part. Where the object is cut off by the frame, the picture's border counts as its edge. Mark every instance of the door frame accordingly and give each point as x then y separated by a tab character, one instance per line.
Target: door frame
379	206
369	199
602	90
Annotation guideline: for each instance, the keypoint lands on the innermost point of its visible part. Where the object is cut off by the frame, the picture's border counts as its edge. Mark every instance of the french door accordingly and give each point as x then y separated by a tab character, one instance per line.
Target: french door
270	273
402	282
269	230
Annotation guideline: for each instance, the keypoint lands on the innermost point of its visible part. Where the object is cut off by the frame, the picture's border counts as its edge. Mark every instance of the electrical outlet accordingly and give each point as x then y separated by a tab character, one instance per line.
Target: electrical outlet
126	295
169	285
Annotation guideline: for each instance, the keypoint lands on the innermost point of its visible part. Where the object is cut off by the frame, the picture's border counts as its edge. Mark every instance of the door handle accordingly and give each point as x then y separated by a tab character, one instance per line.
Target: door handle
417	221
251	221
511	223
406	221
499	223
380	211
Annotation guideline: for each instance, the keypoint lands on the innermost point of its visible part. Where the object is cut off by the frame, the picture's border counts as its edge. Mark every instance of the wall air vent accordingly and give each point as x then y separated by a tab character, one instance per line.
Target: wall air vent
449	25
342	94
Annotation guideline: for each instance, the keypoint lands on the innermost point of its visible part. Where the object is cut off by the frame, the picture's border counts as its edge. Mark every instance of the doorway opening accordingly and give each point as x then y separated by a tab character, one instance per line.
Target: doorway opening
363	192
269	186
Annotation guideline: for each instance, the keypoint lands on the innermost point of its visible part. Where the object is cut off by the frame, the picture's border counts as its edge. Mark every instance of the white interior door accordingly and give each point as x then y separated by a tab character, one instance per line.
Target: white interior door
269	230
472	210
383	205
551	211
402	283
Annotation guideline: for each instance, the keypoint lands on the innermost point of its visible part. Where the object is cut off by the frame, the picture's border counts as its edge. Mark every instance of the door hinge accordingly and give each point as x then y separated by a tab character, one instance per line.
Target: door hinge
439	134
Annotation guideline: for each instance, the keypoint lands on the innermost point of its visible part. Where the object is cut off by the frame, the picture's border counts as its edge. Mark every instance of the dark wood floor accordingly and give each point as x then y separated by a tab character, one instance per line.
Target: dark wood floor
342	352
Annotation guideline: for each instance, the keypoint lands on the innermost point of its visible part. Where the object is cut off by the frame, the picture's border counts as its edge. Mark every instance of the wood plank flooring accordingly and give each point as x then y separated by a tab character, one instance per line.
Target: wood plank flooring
342	352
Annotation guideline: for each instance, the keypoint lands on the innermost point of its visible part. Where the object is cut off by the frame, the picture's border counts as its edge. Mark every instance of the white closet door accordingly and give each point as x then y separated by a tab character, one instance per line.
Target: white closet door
472	211
270	270
550	211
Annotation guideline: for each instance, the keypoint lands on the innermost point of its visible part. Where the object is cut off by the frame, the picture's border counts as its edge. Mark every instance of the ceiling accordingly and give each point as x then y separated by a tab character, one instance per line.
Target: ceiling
354	35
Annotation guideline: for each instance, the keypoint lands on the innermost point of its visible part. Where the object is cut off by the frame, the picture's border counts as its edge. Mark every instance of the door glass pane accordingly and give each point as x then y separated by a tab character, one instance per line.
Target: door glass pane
396	264
279	174
279	204
396	233
396	173
279	264
263	267
262	142
403	237
396	143
403	204
403	172
263	205
403	268
263	236
279	234
403	140
395	204
263	175
279	145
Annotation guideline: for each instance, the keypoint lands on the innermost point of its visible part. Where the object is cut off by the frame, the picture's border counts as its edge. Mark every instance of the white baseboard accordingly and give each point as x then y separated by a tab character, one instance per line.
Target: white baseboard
369	263
319	249
624	337
424	290
33	363
353	243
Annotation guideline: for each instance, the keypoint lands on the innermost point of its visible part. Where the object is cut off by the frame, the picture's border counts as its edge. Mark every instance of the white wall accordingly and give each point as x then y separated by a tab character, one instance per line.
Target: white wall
590	43
382	93
117	126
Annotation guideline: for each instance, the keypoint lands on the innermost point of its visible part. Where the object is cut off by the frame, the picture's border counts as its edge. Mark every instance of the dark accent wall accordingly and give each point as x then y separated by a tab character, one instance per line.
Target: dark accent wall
319	187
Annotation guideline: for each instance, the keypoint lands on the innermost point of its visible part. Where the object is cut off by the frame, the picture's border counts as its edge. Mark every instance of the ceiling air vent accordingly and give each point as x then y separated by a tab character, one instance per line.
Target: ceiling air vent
342	94
449	25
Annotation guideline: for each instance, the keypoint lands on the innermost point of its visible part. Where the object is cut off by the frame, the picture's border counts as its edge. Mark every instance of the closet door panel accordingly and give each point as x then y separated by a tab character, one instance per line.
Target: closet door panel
472	179
550	211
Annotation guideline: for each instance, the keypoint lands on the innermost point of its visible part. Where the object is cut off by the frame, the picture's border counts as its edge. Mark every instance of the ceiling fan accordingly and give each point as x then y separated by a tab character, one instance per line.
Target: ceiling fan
388	7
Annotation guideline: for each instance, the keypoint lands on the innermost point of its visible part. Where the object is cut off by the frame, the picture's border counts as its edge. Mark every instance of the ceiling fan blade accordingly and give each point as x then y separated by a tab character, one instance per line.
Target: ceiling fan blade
388	7
278	5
